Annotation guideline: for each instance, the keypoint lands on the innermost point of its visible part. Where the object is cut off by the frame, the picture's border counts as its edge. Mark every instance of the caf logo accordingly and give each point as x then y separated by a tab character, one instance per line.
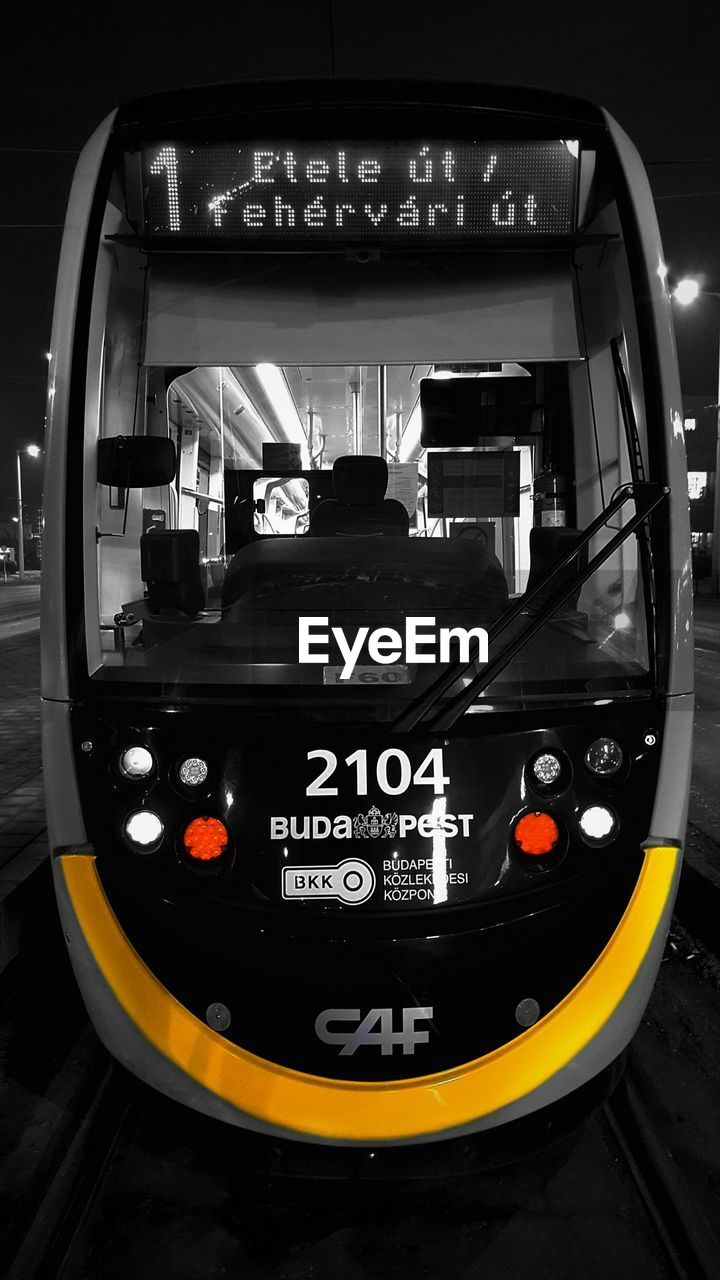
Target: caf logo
373	824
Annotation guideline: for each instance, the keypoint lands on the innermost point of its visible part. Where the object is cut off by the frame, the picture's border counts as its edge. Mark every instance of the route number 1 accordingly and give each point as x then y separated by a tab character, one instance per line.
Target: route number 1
393	772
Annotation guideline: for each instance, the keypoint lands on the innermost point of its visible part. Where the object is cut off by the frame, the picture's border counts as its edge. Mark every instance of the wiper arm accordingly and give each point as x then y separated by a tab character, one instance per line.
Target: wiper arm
418	709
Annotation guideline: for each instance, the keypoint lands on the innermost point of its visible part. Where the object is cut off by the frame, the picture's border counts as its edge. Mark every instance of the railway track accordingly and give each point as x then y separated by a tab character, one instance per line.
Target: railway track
692	1248
61	1198
62	1228
114	1135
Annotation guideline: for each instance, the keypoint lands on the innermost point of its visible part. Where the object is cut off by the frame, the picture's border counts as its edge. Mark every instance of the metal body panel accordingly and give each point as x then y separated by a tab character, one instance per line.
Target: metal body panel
54	625
224	101
565	1049
65	821
672	794
448	903
208	315
124	1040
680	641
462	820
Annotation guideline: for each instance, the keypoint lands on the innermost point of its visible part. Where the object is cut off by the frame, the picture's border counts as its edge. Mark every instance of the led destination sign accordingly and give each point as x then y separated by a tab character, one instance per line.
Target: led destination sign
352	190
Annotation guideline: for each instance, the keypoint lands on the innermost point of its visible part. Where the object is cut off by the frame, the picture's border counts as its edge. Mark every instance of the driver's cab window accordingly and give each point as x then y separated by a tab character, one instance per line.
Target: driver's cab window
416	490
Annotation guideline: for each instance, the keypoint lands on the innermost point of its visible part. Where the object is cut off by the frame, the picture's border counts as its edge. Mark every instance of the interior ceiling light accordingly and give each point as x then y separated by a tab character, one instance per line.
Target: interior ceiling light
278	393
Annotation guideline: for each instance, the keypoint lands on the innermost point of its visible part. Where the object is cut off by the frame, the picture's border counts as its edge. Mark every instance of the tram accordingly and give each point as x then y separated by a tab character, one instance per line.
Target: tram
366	631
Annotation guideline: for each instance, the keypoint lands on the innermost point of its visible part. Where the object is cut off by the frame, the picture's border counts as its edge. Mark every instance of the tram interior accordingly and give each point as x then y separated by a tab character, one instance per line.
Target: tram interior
364	493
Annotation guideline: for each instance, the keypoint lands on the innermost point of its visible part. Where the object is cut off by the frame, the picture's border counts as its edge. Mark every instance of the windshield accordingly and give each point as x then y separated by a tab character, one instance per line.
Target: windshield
332	534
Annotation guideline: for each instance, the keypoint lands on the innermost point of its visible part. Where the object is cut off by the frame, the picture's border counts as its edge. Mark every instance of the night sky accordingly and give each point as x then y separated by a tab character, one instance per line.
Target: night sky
655	67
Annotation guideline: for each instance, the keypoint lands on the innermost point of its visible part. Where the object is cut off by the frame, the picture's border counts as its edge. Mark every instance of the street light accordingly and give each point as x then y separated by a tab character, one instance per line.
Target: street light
34	451
685	292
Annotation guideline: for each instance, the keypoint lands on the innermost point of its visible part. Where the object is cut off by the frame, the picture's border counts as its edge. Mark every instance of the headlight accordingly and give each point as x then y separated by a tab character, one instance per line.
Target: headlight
144	828
598	823
193	771
136	762
604	757
546	768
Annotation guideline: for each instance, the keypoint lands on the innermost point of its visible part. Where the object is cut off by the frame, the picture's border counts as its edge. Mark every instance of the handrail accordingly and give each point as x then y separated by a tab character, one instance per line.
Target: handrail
413	714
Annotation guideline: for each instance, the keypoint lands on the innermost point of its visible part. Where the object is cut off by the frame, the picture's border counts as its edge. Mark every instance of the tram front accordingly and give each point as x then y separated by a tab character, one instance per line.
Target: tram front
381	515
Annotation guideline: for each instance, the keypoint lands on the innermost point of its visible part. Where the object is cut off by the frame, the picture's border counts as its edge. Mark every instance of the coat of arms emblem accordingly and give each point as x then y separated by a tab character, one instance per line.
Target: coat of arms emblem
374	823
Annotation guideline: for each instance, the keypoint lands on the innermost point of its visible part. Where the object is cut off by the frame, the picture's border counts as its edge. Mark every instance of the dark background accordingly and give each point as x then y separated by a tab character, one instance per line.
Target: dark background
656	68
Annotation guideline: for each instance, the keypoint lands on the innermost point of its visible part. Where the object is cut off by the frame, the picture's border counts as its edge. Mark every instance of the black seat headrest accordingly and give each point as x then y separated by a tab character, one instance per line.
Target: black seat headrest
170	565
359	480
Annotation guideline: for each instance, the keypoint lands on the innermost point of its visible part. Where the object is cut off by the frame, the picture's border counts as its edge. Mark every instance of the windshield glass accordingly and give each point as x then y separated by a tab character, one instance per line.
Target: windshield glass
332	534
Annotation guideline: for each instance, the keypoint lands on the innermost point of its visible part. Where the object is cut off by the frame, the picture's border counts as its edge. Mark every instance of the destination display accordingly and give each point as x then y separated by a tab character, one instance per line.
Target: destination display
360	190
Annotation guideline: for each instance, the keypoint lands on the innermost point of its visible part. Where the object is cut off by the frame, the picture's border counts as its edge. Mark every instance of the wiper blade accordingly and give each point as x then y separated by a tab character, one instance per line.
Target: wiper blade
431	696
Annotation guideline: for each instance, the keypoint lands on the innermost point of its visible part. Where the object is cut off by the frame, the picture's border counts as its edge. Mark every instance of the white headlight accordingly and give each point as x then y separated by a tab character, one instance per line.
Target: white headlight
144	828
547	768
604	757
136	762
193	771
597	822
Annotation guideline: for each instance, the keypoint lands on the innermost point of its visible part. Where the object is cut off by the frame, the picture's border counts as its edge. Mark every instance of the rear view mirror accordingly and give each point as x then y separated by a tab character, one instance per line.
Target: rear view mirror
460	412
136	462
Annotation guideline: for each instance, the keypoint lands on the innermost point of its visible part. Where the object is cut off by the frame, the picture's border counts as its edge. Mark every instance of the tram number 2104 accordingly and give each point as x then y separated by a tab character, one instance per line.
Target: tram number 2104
393	772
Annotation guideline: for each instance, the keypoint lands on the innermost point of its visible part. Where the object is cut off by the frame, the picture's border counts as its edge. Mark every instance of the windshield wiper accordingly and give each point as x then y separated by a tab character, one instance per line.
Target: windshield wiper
446	717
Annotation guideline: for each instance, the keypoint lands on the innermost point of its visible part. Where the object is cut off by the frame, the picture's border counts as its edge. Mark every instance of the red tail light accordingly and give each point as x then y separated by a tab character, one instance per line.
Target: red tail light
536	834
205	839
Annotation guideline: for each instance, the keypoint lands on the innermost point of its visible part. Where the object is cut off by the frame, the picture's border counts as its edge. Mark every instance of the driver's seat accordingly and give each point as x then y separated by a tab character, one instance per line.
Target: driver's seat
359	506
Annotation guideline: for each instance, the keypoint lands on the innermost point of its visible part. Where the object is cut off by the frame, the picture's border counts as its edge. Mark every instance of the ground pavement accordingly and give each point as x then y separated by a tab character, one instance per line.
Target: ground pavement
23	841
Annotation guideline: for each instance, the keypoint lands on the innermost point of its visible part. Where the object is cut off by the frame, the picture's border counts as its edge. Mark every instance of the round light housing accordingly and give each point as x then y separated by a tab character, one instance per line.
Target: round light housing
537	834
604	757
546	768
193	771
598	823
205	839
144	828
136	762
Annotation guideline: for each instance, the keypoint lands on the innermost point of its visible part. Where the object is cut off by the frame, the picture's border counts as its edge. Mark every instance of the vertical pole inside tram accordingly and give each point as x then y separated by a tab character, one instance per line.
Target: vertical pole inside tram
221	548
382	410
715	563
355	393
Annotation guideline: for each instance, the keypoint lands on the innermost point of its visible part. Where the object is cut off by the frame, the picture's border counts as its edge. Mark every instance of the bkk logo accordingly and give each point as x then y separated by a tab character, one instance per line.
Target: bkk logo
385	645
351	881
365	1033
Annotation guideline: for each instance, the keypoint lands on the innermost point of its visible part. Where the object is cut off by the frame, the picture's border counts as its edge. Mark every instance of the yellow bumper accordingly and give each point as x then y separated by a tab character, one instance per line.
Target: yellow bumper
376	1111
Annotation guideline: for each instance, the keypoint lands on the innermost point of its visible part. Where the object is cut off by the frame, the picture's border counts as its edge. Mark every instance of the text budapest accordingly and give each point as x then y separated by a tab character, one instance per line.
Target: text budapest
423	642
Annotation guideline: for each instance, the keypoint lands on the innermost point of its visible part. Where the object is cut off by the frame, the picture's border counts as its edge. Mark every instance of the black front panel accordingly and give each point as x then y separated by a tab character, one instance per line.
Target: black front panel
380	1008
367	879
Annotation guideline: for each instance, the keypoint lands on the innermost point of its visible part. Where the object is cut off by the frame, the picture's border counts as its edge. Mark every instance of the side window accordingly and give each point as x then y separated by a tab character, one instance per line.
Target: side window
281	506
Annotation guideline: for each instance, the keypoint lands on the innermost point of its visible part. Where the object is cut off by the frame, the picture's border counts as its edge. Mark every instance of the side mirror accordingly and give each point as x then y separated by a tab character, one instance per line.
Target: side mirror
459	412
136	462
